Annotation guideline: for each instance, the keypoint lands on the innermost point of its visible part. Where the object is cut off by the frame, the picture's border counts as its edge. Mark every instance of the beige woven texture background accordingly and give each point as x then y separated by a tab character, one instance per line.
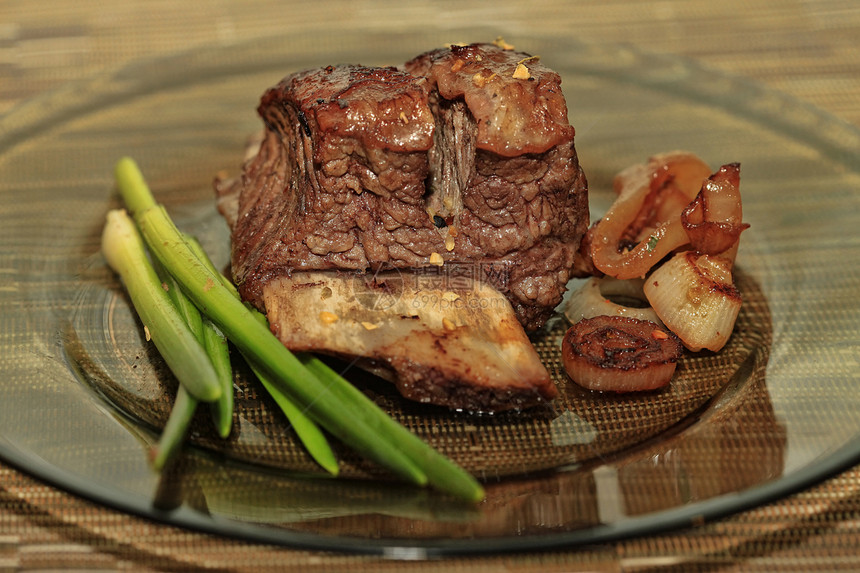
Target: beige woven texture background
809	49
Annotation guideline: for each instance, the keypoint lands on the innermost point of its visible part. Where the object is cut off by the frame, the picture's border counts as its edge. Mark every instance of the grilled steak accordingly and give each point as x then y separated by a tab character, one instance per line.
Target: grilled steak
459	165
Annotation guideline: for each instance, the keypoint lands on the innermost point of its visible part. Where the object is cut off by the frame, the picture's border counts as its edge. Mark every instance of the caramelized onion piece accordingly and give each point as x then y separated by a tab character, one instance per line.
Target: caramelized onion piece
619	354
643	225
714	219
608	296
694	296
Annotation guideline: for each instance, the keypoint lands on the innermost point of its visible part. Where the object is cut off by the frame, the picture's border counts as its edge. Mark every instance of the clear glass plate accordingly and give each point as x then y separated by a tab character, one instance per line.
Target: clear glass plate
83	397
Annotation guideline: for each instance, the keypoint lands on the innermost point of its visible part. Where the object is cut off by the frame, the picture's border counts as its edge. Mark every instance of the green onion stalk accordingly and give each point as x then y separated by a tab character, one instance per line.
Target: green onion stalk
215	343
325	396
306	430
125	253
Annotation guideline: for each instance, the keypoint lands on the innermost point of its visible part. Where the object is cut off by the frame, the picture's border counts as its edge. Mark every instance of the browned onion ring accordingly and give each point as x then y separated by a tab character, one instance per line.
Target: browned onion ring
646	214
714	219
619	354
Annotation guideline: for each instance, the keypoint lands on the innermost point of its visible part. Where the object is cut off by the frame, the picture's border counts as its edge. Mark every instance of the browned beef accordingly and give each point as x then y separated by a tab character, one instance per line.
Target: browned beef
465	157
339	177
504	170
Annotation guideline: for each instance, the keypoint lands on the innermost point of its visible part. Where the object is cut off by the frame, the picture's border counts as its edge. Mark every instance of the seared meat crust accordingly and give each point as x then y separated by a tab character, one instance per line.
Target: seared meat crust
516	114
322	193
453	159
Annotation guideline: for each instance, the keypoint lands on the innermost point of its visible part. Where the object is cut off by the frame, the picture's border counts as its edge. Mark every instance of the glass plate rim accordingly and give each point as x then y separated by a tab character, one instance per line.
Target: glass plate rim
690	515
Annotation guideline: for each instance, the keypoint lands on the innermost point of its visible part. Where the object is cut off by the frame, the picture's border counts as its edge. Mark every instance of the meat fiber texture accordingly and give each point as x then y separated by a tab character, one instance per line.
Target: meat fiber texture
461	161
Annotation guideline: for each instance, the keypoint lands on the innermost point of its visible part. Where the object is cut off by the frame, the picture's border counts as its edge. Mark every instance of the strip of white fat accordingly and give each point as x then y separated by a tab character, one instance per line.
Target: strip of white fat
459	328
